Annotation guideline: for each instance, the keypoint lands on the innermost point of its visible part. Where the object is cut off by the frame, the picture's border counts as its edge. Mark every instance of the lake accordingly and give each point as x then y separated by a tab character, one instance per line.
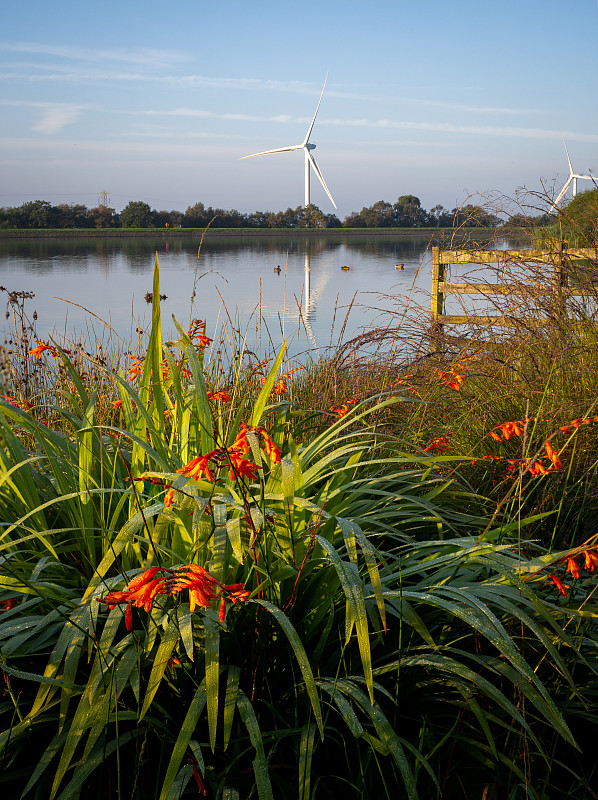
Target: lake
81	286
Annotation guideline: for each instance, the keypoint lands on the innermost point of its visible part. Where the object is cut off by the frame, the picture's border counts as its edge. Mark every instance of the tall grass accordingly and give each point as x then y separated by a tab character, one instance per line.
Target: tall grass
364	623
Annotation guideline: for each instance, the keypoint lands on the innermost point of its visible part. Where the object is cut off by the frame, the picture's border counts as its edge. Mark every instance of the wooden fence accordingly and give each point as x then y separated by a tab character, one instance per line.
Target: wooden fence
560	259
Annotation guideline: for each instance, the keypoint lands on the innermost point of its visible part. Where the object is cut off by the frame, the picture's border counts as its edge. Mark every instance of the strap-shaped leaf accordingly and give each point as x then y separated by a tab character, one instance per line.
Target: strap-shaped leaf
170	638
306	752
353	589
260	764
192	716
300	655
230	702
212	653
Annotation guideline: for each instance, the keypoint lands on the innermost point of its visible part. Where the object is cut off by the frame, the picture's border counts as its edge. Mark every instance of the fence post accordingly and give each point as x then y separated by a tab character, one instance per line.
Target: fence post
438	270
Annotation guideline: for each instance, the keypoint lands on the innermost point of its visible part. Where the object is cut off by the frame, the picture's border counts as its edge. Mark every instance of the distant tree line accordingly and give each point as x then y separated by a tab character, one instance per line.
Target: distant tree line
407	212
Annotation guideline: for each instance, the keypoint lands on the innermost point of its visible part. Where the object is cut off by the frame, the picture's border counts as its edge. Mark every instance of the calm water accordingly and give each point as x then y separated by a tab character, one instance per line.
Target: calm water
79	282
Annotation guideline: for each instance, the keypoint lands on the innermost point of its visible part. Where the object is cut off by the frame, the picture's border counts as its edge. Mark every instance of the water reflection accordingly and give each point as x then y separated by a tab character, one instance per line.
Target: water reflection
229	278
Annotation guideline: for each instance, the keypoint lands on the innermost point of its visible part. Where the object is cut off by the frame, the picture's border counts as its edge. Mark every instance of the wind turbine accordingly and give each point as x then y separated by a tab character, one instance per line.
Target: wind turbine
573	177
307	147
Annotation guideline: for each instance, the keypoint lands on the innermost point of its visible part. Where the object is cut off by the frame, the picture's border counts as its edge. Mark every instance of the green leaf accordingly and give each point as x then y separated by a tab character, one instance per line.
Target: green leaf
300	655
182	742
260	764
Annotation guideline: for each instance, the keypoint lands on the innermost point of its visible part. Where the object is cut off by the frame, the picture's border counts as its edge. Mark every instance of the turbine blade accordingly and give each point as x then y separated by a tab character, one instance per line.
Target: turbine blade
278	150
312	161
309	130
568	159
563	191
584	177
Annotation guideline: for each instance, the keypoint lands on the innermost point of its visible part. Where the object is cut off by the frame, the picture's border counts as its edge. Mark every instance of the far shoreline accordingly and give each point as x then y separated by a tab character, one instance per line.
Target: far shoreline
439	234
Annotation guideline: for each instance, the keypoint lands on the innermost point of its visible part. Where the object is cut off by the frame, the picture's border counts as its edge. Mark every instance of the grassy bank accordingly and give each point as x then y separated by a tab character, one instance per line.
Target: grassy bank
226	576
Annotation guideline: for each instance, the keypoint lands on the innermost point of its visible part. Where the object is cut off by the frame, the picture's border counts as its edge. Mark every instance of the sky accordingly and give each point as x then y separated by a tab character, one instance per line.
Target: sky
454	102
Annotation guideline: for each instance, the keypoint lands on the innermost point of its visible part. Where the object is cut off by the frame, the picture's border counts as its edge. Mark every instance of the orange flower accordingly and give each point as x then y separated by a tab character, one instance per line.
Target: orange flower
136	369
439	445
590	560
241	468
41	347
553	456
280	387
222	396
237	593
197	330
535	467
572	567
202	588
451	378
198	467
169	498
562	587
6	605
510	429
241	444
198	581
140	591
270	448
201	789
117	403
342	410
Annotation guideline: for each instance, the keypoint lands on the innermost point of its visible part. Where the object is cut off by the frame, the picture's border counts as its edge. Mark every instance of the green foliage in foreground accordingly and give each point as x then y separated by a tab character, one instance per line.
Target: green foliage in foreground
393	643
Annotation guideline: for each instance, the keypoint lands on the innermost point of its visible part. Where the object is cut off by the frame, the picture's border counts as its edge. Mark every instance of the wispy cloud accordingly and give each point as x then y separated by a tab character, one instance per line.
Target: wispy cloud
66	73
389	124
53	117
144	56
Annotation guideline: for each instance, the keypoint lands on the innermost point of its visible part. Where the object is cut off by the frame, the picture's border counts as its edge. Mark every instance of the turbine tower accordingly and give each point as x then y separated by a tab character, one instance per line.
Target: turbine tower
573	177
307	148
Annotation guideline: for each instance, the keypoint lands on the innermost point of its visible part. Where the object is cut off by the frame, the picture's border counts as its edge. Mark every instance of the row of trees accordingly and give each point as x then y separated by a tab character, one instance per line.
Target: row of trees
407	212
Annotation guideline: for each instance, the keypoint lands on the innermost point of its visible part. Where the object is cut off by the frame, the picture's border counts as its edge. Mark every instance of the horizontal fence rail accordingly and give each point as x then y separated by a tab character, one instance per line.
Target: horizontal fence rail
559	259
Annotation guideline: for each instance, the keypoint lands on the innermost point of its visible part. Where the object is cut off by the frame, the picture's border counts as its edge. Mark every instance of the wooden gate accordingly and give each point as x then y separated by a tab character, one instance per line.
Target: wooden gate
556	282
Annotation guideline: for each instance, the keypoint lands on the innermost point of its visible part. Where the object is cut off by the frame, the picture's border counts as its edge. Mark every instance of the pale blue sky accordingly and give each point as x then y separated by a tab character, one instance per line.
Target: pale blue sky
157	102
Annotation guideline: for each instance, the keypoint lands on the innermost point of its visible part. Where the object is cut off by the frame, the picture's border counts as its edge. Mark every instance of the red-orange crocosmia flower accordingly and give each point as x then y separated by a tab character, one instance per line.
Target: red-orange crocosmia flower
198	468
553	456
198	581
141	591
136	369
510	429
201	789
280	387
237	593
451	378
241	445
590	560
535	467
572	567
129	618
271	449
117	403
222	396
6	605
242	468
562	587
40	348
439	445
169	498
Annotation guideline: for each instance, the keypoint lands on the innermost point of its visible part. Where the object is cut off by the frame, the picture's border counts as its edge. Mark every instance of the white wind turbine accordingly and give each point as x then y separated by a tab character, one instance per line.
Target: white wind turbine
307	147
573	177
